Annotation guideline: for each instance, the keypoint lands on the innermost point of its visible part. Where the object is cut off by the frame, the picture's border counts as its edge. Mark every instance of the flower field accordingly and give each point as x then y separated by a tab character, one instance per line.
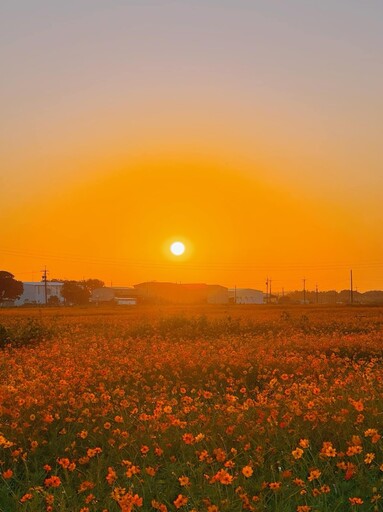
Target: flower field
208	409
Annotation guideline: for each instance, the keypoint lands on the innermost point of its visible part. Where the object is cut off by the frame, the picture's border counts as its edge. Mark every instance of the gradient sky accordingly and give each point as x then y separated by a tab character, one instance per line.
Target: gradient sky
249	129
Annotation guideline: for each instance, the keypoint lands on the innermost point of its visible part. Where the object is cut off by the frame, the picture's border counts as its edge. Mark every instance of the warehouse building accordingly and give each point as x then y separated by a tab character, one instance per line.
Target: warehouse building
34	293
123	296
176	293
245	296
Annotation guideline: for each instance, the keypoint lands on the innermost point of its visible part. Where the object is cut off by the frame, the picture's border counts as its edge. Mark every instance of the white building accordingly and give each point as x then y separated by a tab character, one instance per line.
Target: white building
245	296
34	293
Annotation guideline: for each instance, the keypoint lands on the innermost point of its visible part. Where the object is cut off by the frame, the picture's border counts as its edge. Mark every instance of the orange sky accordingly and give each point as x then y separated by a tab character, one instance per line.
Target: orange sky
248	132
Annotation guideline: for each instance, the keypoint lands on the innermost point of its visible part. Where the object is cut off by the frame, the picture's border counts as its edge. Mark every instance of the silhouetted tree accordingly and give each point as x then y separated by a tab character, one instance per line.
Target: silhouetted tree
54	300
75	292
10	288
92	284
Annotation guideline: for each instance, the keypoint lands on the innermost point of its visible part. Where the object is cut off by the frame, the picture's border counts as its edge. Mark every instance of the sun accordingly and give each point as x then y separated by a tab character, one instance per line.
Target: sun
177	248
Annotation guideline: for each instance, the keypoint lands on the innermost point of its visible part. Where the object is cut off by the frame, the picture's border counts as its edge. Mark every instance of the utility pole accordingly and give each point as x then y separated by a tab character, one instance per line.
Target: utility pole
44	279
235	294
267	290
304	291
316	294
351	290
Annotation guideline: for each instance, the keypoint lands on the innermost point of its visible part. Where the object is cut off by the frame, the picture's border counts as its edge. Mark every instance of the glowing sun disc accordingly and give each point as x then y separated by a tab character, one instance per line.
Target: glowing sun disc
177	248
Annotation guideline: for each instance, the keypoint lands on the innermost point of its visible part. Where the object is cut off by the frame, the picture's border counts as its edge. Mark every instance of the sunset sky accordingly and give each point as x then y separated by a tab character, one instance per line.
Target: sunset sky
249	130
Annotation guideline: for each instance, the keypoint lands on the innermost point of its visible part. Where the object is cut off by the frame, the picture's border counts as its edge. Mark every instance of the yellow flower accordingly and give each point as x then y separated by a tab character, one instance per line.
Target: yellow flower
369	458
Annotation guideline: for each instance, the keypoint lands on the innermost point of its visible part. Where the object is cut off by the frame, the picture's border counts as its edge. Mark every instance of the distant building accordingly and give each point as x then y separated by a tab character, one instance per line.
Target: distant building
174	293
34	293
114	294
245	296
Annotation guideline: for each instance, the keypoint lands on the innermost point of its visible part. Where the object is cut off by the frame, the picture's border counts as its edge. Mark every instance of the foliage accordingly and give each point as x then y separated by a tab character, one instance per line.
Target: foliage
74	292
92	284
10	288
79	292
283	413
25	333
3	335
53	300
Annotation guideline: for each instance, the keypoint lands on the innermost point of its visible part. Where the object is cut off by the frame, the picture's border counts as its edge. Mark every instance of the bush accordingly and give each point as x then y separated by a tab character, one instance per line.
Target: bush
3	336
28	333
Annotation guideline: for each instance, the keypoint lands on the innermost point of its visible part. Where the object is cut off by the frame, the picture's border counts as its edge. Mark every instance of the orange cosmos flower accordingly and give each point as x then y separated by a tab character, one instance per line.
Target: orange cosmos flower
49	499
247	471
188	438
328	450
7	474
92	452
26	497
297	453
223	477
314	475
86	485
158	451
53	481
111	477
350	471
354	450
90	498
159	506
48	418
180	501
220	454
355	501
132	470
184	481
369	458
64	463
150	470
358	405
128	501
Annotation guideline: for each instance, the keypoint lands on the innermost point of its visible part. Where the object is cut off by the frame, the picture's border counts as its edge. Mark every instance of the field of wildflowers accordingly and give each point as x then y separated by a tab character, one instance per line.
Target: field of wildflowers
207	409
